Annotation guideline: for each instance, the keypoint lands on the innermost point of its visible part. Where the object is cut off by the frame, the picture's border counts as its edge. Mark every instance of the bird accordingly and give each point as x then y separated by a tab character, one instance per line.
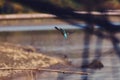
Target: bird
63	32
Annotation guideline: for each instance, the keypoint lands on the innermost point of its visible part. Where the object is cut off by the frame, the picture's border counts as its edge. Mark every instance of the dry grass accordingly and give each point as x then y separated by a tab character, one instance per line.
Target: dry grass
18	57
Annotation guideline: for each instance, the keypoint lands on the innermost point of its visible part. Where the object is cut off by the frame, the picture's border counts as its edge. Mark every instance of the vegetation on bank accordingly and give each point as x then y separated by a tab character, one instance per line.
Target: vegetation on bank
15	6
20	58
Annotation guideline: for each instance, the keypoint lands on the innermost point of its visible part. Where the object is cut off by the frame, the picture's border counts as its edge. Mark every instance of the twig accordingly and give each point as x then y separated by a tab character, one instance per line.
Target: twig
51	70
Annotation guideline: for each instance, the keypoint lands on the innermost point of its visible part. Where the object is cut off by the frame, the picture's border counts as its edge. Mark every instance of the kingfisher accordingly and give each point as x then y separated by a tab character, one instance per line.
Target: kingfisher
63	32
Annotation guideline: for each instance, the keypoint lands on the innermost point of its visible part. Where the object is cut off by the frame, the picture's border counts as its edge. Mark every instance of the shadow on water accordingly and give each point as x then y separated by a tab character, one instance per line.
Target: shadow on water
115	41
85	54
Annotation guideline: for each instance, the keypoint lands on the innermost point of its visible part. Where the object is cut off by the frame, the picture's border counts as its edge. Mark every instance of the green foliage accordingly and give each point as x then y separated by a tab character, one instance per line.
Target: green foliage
1	3
8	7
86	4
12	7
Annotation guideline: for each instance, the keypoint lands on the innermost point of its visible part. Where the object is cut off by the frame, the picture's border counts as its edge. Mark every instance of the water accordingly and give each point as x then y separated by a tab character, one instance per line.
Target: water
52	43
46	27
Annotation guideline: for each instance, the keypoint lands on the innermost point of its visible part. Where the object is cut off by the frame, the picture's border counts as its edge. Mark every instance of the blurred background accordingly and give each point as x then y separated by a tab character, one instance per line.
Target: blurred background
87	38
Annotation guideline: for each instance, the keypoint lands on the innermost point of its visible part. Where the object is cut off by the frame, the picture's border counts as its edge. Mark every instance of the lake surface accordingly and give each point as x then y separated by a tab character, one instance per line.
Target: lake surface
79	47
